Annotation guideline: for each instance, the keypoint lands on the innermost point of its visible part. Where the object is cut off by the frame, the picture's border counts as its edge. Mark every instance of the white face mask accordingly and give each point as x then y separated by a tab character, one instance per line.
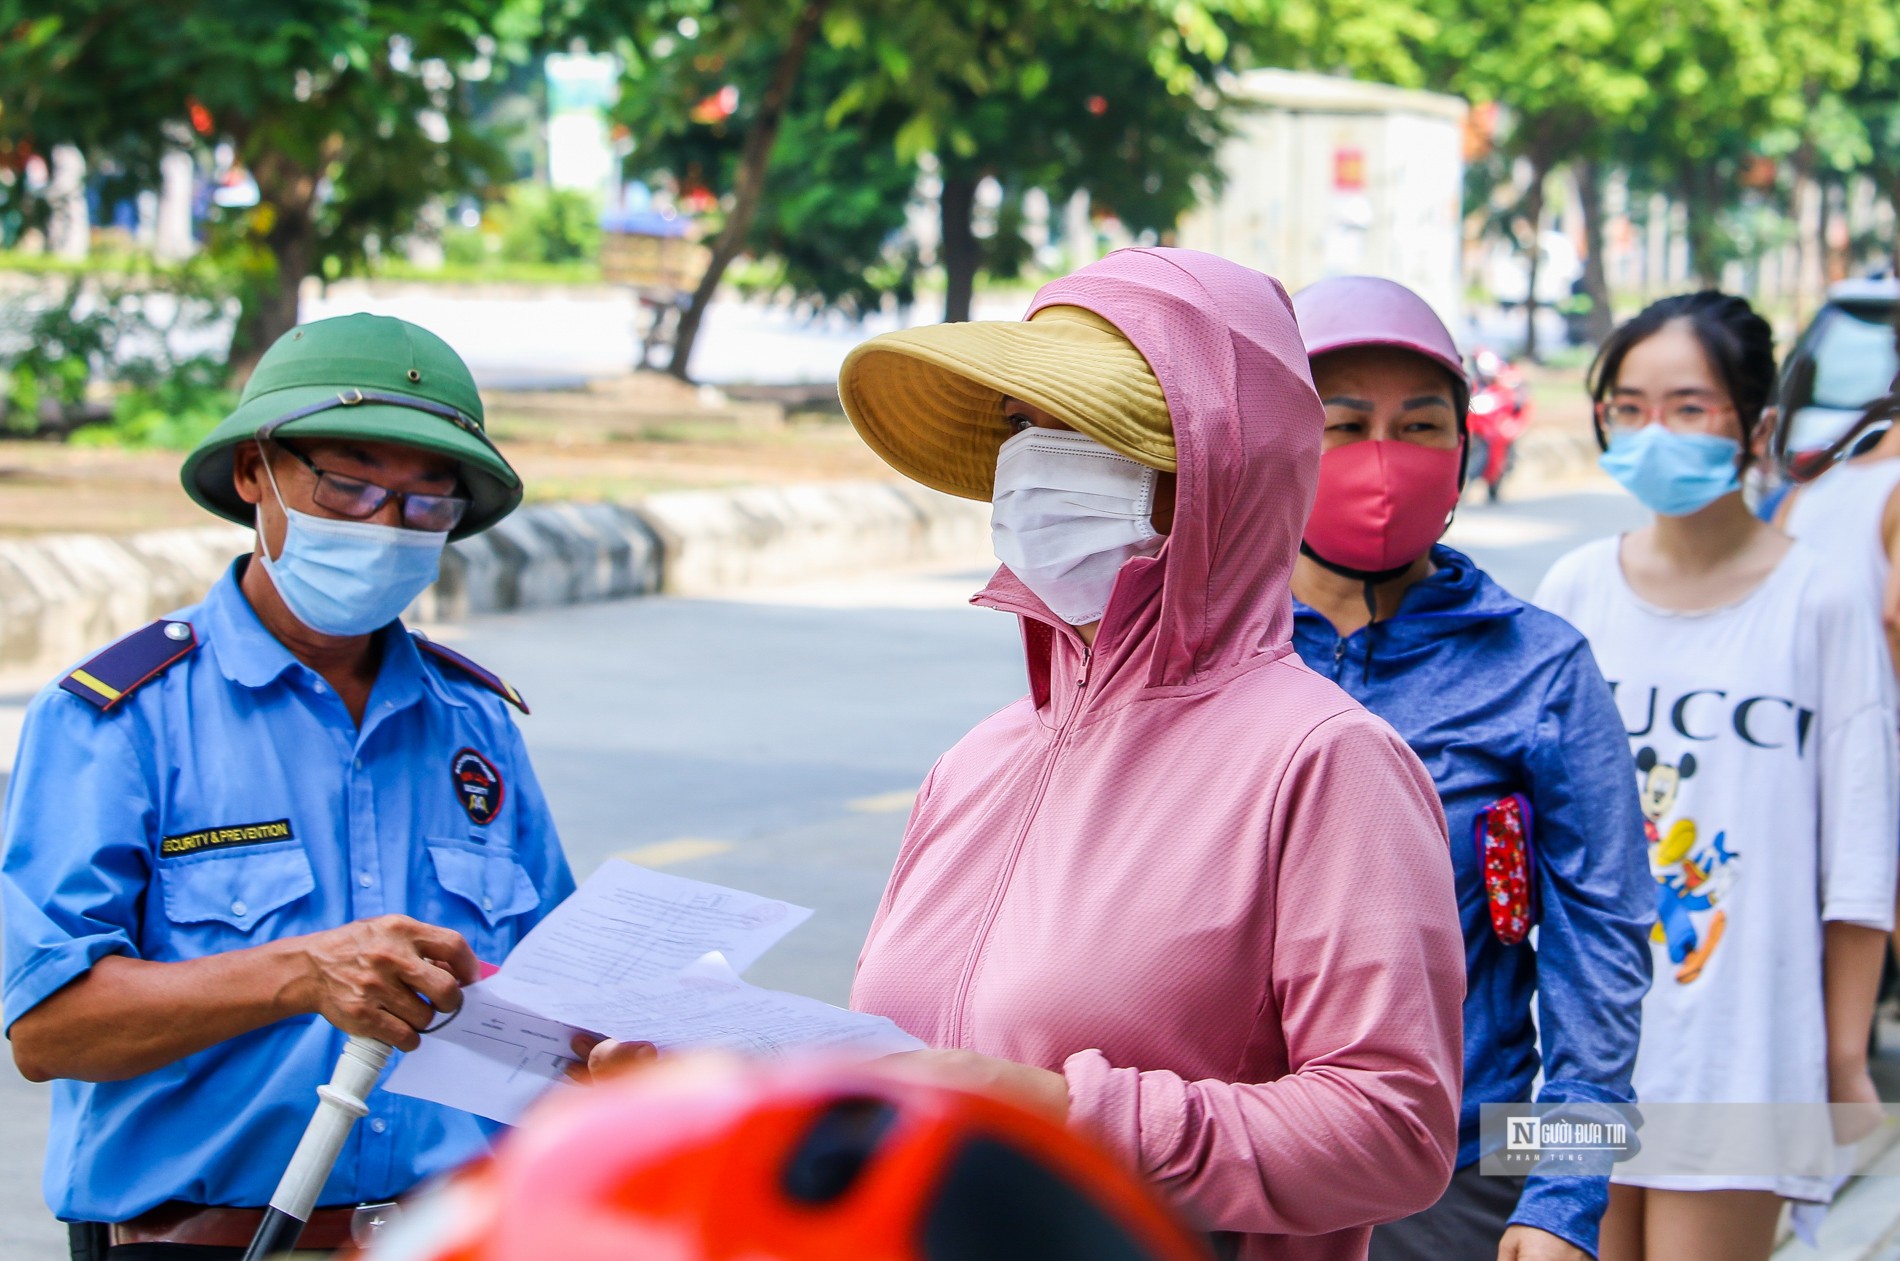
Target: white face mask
1066	513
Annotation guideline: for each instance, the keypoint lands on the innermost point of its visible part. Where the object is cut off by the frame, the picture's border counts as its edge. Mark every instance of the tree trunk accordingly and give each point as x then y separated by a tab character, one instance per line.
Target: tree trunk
958	250
1534	211
1801	162
748	188
269	310
1700	202
1893	229
1596	276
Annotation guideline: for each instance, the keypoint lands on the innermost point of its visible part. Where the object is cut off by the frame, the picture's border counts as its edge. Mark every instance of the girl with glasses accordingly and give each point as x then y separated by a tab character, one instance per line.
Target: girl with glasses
1758	704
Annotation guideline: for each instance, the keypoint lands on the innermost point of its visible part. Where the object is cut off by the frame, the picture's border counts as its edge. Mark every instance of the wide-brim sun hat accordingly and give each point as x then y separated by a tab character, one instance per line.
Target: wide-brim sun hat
367	377
929	400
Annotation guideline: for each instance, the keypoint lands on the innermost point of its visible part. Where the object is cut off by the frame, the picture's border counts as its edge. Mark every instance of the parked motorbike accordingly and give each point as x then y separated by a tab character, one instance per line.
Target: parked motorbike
1499	414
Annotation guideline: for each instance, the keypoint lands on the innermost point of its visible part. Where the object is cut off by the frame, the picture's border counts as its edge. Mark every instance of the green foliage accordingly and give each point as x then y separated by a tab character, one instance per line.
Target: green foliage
835	195
529	227
350	114
1112	96
171	411
110	337
549	225
51	369
354	114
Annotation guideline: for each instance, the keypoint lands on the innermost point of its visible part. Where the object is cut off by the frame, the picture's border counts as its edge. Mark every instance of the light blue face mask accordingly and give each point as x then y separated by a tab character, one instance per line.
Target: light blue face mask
1673	474
348	577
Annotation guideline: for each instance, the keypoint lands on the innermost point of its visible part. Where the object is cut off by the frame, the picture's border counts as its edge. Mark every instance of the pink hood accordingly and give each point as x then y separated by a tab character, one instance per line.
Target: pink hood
1185	871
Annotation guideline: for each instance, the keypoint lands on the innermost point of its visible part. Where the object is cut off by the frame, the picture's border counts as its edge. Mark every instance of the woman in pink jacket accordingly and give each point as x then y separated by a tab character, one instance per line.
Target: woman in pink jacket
1186	893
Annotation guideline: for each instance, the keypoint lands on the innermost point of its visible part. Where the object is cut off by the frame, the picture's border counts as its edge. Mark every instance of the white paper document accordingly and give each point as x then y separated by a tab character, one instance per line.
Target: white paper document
637	955
493	1059
709	1006
631	927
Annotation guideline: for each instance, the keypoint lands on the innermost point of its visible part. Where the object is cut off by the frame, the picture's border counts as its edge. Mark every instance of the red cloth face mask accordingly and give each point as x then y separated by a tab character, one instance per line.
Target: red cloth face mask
1381	505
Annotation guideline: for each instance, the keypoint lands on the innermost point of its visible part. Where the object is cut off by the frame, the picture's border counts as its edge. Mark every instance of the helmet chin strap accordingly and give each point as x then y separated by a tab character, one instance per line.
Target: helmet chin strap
1370	581
1371	577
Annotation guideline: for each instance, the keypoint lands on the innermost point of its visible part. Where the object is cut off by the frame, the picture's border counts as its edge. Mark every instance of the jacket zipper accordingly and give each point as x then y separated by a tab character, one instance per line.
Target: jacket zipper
960	1027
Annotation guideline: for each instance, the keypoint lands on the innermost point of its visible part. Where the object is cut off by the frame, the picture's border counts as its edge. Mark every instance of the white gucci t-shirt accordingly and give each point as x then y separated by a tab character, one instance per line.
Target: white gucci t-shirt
1766	760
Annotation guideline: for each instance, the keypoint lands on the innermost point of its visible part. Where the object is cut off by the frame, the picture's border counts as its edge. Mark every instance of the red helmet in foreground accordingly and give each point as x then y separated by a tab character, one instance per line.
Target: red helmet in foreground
718	1160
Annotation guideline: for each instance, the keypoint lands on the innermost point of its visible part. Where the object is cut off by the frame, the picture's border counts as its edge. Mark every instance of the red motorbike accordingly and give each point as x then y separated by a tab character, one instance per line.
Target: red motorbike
1499	414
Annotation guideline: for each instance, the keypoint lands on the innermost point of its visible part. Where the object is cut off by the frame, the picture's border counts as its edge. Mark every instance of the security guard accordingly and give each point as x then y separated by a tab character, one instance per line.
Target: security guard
274	818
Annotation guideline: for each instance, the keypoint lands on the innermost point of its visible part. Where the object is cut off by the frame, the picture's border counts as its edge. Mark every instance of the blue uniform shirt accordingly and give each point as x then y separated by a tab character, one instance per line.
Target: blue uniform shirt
1499	697
232	801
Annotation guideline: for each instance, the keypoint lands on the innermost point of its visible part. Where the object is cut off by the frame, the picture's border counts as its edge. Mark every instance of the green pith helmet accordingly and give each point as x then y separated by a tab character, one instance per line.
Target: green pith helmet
360	376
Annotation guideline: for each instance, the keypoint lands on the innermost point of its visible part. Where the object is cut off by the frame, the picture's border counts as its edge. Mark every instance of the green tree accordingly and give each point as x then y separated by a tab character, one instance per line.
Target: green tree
975	82
1731	80
1117	98
1565	72
717	34
834	197
349	114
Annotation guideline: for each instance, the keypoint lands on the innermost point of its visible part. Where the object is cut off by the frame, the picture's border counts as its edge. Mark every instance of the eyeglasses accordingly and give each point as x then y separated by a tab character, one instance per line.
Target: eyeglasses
359	500
1681	416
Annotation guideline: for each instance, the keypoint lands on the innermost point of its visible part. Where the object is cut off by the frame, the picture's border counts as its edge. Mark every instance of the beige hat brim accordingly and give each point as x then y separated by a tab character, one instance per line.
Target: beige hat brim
929	400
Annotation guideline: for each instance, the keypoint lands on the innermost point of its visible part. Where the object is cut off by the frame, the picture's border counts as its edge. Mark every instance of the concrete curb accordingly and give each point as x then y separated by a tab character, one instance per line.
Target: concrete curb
775	534
65	595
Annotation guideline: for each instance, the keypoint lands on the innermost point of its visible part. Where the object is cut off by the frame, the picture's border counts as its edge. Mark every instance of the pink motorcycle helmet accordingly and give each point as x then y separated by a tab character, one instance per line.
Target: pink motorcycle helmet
1344	312
1381	505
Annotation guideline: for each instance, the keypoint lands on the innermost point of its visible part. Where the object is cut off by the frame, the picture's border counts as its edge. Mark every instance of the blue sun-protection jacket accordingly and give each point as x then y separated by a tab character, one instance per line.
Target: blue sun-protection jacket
1498	697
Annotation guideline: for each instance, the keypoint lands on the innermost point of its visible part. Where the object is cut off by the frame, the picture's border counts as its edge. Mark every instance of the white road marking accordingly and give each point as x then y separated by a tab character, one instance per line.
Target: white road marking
680	849
884	803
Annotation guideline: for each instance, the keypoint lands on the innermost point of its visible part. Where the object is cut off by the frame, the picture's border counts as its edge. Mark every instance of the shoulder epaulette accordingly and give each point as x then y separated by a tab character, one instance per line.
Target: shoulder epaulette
130	663
487	678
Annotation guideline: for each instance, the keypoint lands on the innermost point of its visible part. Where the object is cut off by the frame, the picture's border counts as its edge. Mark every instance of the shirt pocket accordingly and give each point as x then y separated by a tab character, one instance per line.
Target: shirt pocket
487	888
236	891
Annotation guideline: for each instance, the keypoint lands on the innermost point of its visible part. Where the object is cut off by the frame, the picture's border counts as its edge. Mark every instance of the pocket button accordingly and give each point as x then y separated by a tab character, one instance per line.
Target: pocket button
239	909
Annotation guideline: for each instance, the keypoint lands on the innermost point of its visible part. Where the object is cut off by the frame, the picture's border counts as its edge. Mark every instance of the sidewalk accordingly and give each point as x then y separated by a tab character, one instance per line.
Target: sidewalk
618	439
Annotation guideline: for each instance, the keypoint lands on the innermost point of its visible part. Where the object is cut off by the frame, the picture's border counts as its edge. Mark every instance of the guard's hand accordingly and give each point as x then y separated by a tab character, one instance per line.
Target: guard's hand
387	978
1527	1243
602	1058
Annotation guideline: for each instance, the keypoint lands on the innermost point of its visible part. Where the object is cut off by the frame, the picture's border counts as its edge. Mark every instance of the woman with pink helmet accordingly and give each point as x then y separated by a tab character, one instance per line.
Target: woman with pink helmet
1505	706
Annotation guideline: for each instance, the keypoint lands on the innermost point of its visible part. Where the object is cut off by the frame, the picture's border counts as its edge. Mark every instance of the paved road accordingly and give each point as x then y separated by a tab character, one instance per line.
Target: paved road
771	743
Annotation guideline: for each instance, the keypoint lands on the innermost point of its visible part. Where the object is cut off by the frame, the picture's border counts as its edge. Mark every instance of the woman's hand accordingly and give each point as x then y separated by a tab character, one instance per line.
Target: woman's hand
1527	1243
1037	1089
1856	1102
602	1058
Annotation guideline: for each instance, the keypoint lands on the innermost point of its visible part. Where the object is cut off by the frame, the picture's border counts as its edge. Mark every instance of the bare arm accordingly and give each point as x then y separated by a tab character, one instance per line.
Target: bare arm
1852	956
386	978
1890	599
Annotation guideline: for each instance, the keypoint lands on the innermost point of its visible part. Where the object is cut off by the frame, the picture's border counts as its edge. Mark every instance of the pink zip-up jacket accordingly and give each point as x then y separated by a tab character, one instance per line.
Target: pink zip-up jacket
1186	872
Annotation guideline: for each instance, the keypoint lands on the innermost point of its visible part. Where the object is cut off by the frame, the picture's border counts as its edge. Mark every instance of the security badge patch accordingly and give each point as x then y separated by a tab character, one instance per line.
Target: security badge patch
225	838
478	785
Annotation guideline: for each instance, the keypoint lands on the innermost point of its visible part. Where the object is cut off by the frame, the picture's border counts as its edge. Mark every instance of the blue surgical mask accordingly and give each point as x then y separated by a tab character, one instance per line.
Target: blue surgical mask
348	577
1673	474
